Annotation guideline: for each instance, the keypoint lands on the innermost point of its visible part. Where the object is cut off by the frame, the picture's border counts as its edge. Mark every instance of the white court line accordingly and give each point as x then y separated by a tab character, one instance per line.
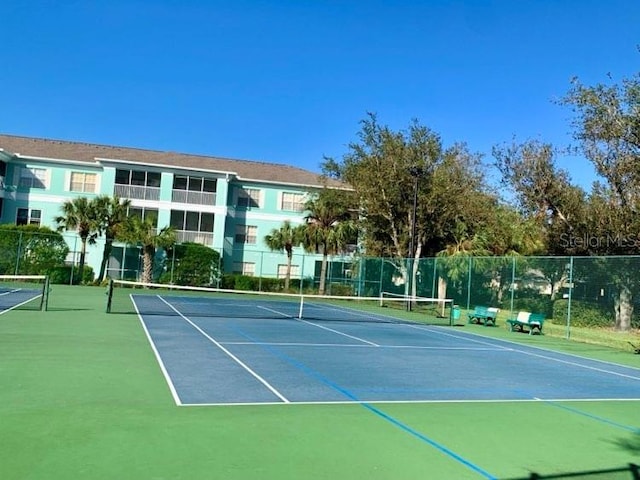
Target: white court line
321	326
172	388
19	304
414	402
10	292
359	345
231	355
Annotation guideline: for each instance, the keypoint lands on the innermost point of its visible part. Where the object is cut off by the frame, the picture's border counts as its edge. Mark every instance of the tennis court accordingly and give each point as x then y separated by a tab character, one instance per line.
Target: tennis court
249	389
25	292
335	353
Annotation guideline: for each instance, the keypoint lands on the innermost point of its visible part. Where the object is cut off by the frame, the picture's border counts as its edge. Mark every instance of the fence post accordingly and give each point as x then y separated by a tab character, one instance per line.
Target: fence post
570	295
513	282
73	261
18	253
469	285
433	282
173	262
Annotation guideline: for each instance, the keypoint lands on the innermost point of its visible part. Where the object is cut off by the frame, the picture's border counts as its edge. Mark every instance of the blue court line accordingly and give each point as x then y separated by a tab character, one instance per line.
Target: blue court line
593	417
394	421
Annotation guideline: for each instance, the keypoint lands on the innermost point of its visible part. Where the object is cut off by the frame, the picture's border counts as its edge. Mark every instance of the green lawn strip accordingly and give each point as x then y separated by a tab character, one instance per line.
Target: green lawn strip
606	337
83	397
557	343
514	439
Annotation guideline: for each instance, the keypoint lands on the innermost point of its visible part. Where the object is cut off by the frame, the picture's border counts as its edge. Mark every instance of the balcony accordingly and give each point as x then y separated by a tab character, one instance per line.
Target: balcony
205	238
193	197
138	192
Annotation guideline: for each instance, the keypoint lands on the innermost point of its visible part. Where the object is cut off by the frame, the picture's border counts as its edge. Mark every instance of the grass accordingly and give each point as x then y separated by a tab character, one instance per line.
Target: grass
83	397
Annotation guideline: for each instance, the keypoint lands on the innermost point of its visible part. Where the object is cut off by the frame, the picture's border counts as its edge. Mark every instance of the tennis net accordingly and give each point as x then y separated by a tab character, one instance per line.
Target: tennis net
170	300
23	292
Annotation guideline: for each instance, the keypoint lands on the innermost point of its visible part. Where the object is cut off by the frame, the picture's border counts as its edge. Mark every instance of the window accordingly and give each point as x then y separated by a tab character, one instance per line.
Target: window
282	271
33	177
249	197
293	202
138	177
28	217
190	189
194	184
137	184
244	268
83	182
247	234
144	213
192	221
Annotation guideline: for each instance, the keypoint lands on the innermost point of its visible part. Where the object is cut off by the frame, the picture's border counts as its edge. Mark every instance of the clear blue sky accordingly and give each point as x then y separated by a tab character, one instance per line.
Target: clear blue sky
289	81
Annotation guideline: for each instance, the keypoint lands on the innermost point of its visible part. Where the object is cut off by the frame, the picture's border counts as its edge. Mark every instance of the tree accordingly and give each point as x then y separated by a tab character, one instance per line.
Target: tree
543	192
193	264
387	168
328	227
607	126
80	214
285	238
31	250
112	214
378	168
136	231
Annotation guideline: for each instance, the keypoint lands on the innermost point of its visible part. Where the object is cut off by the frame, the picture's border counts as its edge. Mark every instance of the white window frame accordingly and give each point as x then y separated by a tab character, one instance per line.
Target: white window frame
246	196
31	218
282	271
296	204
244	268
246	234
33	177
83	183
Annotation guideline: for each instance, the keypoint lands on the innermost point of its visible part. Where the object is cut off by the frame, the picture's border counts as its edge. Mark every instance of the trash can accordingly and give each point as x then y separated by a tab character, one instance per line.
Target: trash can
455	313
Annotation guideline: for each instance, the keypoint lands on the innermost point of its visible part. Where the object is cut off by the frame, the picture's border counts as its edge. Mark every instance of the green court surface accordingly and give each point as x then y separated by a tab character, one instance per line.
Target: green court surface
82	397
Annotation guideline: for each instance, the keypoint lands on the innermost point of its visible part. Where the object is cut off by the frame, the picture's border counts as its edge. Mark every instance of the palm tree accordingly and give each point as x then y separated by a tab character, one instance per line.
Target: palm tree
329	228
136	231
80	214
285	238
112	212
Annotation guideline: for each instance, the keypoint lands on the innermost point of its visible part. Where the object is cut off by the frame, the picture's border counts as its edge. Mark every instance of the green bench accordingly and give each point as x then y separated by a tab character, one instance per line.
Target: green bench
485	315
526	321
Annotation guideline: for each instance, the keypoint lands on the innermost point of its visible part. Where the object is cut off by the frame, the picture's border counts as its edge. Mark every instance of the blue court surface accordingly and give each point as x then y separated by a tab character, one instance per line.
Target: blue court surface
11	298
235	359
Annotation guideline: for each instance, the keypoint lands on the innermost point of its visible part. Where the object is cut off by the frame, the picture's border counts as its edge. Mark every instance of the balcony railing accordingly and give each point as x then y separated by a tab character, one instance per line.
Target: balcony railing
205	238
197	198
137	191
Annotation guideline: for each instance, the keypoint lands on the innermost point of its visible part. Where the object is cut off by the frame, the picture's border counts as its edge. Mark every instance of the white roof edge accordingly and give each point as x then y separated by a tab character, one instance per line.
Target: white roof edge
55	160
162	165
307	185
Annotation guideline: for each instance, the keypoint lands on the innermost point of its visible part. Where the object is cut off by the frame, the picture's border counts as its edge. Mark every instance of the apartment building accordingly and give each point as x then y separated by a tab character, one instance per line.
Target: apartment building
226	204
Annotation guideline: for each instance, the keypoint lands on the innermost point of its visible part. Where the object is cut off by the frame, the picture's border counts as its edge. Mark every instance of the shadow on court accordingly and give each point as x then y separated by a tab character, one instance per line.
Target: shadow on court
631	471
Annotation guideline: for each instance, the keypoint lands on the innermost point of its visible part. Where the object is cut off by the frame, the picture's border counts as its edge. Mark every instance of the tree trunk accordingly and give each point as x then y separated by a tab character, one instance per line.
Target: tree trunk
106	253
83	255
147	264
323	274
414	271
288	275
442	293
623	304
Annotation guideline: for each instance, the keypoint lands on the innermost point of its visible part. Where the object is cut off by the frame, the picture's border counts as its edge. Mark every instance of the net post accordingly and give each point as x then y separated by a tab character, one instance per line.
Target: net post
109	295
44	306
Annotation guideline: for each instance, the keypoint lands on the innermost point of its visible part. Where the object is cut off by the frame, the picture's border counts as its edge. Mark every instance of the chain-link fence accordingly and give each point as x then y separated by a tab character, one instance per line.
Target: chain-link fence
572	291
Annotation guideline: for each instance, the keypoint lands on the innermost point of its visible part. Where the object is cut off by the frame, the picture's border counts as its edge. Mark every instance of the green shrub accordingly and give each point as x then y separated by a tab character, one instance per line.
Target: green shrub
583	314
62	275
